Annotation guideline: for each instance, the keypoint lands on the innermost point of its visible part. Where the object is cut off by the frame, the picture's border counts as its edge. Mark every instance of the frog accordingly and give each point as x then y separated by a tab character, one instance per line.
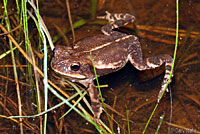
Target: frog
110	51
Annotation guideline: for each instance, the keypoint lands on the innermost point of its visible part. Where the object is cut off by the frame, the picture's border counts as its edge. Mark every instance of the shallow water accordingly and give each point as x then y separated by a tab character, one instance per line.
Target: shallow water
136	91
132	90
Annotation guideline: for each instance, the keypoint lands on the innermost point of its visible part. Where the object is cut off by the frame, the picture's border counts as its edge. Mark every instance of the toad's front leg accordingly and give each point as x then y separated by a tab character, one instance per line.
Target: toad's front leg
95	101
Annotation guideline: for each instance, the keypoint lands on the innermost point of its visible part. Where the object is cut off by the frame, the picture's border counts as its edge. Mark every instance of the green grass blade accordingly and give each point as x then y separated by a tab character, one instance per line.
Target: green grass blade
44	112
98	85
175	50
161	120
8	52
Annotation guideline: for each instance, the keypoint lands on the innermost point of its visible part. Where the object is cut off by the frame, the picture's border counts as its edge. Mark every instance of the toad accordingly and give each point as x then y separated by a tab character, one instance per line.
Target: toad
110	52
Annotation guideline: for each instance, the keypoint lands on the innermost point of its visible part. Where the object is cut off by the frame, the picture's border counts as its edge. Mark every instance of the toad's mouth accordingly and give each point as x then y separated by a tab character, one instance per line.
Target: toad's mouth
74	75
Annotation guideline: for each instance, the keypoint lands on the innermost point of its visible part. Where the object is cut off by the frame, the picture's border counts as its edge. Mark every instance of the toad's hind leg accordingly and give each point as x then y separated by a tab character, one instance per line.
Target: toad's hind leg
135	57
116	20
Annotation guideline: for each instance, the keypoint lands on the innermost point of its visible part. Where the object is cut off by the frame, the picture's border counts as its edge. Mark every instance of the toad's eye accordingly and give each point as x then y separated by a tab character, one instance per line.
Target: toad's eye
75	66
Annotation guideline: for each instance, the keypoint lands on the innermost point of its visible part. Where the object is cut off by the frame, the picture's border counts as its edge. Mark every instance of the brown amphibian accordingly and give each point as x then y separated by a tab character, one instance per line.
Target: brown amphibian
110	52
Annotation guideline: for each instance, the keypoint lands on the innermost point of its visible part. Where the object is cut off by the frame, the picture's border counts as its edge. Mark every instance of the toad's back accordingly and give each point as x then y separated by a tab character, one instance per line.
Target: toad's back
107	49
